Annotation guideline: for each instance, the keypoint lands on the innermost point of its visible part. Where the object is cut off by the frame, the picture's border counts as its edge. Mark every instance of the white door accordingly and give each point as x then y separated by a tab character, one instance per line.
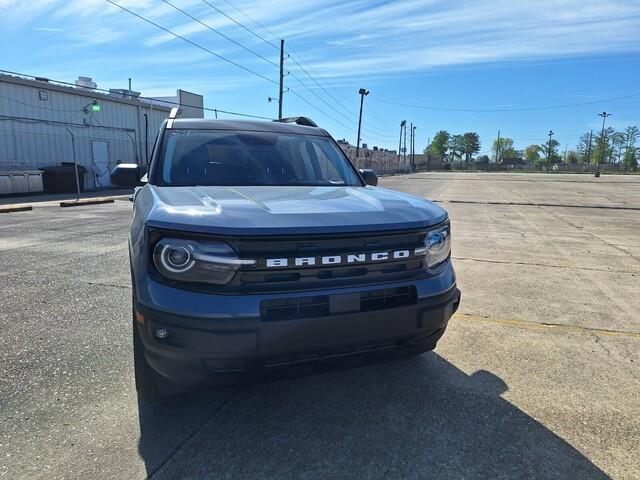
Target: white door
100	151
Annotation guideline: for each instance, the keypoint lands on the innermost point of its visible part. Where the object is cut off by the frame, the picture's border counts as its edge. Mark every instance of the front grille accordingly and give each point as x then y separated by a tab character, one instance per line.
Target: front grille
261	278
320	306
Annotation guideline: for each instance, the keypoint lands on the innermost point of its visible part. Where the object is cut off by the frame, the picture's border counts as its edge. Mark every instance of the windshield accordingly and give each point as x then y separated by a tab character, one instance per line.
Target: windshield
216	157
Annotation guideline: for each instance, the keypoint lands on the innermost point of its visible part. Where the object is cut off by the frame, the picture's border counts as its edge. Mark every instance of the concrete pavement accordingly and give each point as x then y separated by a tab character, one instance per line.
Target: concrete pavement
537	376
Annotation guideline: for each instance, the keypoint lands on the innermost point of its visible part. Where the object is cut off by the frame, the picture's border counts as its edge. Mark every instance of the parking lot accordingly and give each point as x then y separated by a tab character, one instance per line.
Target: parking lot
538	375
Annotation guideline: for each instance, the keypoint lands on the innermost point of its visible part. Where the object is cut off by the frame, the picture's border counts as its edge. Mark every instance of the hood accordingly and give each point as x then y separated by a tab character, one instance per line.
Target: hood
286	210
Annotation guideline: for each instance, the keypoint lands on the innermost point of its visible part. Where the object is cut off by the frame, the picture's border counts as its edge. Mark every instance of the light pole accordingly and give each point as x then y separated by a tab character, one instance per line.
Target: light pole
363	92
411	143
604	116
549	150
403	125
413	150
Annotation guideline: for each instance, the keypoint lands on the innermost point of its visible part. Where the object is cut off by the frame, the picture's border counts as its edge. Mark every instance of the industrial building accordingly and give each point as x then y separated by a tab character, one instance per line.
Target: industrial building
44	123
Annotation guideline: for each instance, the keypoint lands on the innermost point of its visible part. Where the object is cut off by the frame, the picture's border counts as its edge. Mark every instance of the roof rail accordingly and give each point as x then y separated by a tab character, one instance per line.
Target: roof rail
306	121
173	114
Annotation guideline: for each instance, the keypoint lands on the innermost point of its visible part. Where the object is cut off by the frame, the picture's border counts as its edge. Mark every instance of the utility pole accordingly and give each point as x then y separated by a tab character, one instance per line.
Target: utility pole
498	148
281	79
411	145
363	92
413	150
604	116
405	143
565	153
402	125
549	150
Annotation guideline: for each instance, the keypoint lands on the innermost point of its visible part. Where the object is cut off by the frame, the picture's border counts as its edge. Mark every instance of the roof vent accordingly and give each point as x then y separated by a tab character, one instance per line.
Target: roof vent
86	82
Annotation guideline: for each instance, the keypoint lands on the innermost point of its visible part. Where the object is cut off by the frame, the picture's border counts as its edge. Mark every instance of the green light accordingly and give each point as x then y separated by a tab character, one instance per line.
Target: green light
95	107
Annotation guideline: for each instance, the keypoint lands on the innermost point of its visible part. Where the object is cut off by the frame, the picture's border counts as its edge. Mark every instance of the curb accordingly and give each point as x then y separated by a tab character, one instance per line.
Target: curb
89	201
16	208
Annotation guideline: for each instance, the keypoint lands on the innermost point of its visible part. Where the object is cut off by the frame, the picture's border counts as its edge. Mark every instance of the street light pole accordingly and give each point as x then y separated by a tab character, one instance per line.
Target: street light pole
549	150
403	124
363	92
604	116
404	151
411	144
413	150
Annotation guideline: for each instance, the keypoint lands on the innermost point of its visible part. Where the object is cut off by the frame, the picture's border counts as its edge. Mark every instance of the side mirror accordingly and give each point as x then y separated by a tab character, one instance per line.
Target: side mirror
126	175
369	176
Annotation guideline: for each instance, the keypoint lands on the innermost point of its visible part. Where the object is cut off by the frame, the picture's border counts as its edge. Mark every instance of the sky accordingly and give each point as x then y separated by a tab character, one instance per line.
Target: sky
465	65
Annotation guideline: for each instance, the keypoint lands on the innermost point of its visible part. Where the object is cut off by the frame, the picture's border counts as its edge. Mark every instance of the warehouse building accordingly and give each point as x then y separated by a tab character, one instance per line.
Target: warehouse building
44	123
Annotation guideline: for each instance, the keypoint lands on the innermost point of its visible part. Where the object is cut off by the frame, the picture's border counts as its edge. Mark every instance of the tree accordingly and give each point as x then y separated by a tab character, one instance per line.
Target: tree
572	157
631	135
505	147
532	153
470	145
456	146
617	144
585	147
550	150
440	144
603	149
482	159
631	159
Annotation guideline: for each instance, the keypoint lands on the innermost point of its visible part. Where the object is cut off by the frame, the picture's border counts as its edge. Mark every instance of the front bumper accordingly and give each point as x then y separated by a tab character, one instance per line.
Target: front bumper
221	348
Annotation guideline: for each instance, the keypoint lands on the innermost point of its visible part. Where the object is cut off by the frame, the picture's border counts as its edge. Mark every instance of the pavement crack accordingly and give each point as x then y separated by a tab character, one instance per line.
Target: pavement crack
534	264
540	204
115	285
544	325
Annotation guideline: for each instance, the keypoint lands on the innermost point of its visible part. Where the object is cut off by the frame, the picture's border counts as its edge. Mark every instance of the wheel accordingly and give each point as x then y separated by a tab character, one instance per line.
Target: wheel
148	383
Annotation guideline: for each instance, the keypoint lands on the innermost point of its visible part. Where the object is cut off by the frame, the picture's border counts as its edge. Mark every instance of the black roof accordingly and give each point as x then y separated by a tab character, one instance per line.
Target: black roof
246	125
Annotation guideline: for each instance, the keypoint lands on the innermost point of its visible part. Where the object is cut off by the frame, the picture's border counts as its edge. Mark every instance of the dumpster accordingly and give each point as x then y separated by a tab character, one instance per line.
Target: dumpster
62	178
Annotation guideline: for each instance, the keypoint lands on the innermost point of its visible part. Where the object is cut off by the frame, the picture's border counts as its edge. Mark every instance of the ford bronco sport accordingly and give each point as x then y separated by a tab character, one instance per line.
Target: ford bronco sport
258	246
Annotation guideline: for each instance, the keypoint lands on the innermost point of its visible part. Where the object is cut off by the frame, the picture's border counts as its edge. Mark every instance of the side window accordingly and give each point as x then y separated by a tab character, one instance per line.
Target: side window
327	166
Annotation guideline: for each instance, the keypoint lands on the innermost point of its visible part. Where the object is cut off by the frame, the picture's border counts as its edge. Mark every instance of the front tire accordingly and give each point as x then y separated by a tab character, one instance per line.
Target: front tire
148	382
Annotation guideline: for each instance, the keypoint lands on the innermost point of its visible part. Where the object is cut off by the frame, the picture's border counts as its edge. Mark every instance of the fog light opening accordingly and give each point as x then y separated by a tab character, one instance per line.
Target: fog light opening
161	333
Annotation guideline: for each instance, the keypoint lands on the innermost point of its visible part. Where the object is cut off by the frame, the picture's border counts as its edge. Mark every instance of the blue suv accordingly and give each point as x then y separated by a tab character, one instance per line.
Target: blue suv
257	246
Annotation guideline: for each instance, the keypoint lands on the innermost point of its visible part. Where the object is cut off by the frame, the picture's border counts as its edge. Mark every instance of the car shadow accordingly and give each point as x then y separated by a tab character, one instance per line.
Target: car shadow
415	418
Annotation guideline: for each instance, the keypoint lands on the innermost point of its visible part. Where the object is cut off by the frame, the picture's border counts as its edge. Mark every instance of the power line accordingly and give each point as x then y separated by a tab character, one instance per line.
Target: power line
253	52
298	64
320	110
251	19
246	69
324	113
151	99
518	109
254	33
41	107
291	52
318	84
349	119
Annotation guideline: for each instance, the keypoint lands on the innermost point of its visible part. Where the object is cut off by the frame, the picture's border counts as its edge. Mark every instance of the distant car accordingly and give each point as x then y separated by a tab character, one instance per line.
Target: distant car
258	246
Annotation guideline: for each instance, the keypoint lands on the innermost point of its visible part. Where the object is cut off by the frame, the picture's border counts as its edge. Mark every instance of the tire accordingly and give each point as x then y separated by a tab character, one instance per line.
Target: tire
148	382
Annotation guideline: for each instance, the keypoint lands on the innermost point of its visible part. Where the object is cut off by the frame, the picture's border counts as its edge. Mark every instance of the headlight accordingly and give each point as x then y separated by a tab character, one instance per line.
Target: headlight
437	246
197	261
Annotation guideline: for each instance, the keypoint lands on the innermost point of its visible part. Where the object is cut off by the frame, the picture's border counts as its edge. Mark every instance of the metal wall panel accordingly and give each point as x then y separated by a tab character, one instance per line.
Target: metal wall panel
36	128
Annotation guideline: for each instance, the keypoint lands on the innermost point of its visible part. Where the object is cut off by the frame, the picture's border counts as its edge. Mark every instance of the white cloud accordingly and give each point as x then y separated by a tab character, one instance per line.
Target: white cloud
356	38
